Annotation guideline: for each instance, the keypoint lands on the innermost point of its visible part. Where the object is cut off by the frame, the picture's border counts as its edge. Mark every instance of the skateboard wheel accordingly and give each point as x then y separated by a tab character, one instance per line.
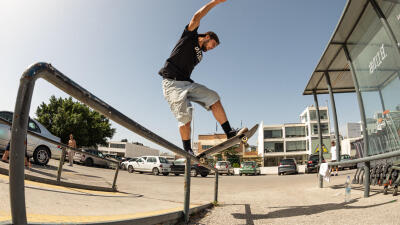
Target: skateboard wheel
245	139
203	160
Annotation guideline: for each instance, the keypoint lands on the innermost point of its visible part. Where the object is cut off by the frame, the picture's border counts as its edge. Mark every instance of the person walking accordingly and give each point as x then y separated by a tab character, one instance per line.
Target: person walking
72	144
333	157
180	90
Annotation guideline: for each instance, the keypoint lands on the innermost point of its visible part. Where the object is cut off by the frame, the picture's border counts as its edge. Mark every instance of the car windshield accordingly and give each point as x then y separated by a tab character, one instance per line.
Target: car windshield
221	163
179	162
248	163
287	161
314	157
163	160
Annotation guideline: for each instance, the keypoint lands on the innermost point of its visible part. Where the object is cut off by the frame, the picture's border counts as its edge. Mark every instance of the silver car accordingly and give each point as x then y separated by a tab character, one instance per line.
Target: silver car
41	151
224	167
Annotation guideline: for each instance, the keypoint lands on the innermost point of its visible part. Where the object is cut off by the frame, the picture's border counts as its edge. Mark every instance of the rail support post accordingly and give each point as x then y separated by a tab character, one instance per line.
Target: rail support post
187	191
320	178
114	186
62	159
216	188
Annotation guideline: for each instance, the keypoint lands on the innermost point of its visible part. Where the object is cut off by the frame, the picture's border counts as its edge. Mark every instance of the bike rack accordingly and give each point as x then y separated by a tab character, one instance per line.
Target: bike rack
20	123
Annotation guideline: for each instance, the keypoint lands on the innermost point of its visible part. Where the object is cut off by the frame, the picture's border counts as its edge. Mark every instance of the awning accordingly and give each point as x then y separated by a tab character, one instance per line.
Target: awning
334	61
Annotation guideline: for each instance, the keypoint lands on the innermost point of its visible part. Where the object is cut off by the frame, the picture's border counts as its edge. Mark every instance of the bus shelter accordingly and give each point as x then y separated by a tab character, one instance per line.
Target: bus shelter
363	56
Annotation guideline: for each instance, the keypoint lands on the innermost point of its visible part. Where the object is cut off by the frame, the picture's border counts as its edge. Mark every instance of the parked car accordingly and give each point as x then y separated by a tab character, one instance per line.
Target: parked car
249	167
178	167
287	166
346	158
87	158
124	164
153	164
41	151
224	167
312	163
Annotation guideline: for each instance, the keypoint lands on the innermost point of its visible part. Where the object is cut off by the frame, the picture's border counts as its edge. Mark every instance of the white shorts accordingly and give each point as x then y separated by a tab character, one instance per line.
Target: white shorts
179	94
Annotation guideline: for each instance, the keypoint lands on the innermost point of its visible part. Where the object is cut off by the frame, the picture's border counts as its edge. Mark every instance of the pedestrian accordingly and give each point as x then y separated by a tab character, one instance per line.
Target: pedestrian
333	158
7	153
72	144
180	90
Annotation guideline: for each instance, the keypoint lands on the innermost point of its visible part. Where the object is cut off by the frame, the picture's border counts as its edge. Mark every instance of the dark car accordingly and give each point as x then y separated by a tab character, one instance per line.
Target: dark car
312	163
178	167
287	166
346	158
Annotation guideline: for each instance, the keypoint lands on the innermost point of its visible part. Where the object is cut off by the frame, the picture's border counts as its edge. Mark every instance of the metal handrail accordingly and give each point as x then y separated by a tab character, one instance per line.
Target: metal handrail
20	123
367	159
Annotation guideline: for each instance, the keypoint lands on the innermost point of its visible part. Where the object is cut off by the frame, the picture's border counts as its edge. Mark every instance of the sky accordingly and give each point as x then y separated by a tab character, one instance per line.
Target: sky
115	48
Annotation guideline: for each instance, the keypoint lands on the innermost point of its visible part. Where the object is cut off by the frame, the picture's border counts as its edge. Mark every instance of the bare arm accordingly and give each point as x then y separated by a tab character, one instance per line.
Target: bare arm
195	22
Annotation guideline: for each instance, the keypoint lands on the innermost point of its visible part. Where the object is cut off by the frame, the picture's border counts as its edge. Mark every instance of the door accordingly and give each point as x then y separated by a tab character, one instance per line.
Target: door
151	163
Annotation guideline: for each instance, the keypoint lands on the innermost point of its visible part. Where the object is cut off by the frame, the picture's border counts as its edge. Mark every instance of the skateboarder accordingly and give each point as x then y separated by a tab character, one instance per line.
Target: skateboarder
180	90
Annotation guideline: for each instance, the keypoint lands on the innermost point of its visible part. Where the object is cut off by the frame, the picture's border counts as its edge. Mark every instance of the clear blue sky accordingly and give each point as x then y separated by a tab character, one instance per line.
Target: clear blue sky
115	48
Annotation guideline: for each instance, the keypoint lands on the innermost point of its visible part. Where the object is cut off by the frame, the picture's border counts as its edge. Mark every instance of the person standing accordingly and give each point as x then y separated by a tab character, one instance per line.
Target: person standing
333	157
180	90
72	144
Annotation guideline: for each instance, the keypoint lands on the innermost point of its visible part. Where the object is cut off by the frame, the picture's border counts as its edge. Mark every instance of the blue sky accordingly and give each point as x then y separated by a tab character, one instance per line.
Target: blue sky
115	48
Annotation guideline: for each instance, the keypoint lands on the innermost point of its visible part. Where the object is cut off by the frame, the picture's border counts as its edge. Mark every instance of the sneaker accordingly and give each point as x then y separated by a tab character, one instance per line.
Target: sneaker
235	132
190	151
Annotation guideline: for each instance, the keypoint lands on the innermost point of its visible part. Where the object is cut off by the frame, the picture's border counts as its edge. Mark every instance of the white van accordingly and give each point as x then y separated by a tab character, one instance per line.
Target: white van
153	164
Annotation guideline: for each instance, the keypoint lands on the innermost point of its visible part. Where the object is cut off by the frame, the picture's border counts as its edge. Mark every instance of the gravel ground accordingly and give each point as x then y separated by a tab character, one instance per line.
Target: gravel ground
301	202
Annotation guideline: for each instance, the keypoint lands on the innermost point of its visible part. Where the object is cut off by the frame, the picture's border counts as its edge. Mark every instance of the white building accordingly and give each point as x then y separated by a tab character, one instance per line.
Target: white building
126	149
294	140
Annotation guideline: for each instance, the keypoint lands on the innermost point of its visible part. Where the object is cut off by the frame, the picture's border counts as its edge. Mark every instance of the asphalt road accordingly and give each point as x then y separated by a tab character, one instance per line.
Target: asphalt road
266	199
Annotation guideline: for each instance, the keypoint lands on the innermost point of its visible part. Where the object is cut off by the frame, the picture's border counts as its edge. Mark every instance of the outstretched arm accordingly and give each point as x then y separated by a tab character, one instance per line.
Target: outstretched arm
195	22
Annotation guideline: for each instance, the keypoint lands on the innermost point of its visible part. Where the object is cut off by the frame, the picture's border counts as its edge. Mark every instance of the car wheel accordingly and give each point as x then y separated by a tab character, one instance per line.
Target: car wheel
204	174
89	162
41	156
130	169
165	173
240	174
193	173
395	190
156	171
176	174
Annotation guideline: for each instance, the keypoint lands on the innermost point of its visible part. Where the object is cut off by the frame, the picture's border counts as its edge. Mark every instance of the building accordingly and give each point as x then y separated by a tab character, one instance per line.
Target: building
126	149
353	130
294	140
239	152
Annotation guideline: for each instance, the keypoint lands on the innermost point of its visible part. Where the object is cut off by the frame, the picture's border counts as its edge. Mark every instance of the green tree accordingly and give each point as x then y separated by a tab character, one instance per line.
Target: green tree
63	116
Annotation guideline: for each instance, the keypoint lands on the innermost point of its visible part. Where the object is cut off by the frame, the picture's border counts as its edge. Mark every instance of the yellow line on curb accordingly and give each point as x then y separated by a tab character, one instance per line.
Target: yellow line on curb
43	218
34	183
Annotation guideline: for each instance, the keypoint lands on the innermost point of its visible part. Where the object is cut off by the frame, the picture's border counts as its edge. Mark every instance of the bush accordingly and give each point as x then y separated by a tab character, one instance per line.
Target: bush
236	165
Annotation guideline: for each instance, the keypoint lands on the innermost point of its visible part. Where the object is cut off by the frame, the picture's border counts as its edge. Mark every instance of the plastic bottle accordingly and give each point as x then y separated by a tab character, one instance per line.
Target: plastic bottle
347	188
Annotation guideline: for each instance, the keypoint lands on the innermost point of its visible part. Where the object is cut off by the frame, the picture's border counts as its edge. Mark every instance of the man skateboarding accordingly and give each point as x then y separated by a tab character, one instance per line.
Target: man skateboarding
180	90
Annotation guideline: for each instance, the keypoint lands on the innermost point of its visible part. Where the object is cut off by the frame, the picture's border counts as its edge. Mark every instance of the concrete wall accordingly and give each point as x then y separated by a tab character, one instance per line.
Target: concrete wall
133	150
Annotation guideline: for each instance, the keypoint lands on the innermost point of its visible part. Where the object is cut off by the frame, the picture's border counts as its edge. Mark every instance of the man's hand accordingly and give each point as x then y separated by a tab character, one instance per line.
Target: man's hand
195	22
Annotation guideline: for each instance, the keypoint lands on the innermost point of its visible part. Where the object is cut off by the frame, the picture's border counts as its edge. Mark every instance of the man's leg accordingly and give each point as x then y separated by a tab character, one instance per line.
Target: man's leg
220	116
185	131
5	156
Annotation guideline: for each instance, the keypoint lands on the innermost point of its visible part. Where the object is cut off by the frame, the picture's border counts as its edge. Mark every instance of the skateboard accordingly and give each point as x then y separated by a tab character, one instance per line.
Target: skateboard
241	138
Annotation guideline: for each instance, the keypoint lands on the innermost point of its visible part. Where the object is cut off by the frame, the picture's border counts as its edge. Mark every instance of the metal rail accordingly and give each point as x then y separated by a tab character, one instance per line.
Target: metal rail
367	159
20	123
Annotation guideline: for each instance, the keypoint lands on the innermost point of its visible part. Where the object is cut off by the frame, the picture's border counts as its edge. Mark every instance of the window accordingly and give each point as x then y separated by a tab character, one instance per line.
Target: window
7	116
163	160
272	134
324	128
32	126
113	145
295	132
273	147
323	114
151	160
205	147
292	146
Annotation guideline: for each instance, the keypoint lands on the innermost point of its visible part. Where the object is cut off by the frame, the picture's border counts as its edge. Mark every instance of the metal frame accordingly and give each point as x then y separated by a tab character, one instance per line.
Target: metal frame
20	123
321	182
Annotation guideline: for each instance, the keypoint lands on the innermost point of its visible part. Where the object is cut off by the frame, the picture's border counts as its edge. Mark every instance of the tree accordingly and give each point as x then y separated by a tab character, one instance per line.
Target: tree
64	116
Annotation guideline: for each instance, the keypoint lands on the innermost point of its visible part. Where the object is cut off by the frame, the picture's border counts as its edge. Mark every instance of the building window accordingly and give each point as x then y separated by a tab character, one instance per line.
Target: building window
273	147
295	132
324	128
113	145
272	134
323	114
205	147
292	146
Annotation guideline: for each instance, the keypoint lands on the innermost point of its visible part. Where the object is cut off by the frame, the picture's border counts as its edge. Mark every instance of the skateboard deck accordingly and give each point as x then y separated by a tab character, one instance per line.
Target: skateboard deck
228	143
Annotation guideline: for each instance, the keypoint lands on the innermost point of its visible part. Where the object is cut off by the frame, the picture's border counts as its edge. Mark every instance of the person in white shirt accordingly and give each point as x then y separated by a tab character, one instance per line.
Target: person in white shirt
333	157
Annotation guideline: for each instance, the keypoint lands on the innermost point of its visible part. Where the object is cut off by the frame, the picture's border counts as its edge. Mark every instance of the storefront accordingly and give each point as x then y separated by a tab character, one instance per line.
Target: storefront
363	56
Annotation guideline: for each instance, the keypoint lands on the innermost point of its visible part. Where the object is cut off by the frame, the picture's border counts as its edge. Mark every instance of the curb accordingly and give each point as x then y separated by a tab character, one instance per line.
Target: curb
62	183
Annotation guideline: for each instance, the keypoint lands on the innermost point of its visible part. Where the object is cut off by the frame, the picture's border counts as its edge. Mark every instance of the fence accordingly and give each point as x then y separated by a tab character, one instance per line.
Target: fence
19	132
